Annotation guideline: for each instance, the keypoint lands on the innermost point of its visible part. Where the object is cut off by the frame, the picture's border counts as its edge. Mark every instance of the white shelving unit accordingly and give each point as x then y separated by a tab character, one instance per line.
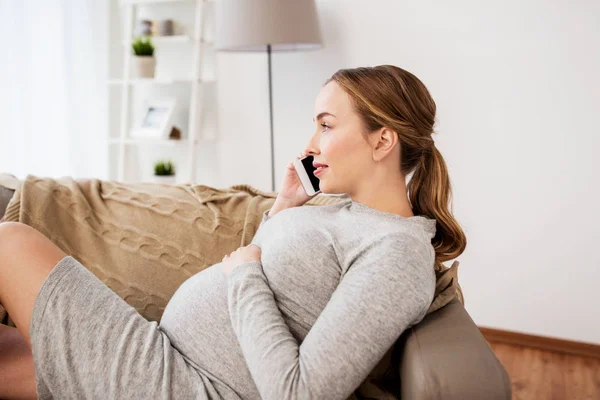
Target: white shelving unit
196	81
161	81
174	38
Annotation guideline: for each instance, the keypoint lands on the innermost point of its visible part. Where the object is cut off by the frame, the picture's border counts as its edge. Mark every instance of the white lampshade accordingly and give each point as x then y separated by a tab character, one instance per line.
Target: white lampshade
250	25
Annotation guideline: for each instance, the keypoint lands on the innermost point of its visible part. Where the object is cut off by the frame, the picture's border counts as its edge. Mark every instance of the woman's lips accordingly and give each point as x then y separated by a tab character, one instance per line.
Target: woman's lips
319	170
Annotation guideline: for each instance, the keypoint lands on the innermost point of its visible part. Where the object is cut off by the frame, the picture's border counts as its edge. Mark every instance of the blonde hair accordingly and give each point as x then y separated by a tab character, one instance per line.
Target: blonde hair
388	96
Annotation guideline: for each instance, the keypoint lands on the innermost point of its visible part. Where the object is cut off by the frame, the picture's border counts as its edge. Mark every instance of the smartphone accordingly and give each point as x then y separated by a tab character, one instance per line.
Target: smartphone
305	170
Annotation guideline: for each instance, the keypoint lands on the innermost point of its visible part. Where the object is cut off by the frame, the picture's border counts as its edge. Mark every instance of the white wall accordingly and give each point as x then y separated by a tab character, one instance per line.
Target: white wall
518	91
518	94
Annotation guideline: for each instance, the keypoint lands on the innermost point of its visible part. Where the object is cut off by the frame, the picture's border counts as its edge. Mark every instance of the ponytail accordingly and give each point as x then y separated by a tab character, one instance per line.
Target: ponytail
430	194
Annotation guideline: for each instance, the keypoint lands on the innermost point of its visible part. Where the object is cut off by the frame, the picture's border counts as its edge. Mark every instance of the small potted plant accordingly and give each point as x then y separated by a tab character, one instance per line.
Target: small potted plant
144	60
164	172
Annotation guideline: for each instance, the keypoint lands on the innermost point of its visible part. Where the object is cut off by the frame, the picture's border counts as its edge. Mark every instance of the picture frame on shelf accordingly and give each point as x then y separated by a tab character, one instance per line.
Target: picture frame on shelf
155	121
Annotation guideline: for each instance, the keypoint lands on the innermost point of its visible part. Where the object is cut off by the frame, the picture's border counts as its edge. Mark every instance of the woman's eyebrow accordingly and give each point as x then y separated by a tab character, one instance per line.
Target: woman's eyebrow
321	115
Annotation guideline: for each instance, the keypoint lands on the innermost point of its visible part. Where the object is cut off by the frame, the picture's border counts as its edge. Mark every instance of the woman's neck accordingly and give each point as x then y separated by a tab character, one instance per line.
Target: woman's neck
388	196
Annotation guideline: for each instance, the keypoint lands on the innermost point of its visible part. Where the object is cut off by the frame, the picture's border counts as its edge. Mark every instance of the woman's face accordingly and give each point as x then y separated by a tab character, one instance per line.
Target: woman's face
338	142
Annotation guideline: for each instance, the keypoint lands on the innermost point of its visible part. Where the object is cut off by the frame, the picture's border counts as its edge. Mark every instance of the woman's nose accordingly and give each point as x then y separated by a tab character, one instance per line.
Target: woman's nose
309	151
312	147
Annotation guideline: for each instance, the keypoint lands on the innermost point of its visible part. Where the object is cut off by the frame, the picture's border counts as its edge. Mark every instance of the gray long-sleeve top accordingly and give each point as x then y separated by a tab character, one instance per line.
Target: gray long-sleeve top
335	288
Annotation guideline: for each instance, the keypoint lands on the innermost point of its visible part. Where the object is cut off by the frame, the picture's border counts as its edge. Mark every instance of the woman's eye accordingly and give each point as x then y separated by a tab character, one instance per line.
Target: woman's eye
325	126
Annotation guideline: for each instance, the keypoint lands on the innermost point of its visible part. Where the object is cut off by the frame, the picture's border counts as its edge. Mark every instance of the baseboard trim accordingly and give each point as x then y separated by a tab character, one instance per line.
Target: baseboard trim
541	342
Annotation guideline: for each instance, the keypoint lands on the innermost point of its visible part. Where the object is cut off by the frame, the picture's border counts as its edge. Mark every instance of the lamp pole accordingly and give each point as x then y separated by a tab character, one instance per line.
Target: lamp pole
271	120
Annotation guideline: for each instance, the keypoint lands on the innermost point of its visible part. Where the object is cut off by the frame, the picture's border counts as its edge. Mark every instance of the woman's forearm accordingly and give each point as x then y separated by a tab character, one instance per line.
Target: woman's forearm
280	204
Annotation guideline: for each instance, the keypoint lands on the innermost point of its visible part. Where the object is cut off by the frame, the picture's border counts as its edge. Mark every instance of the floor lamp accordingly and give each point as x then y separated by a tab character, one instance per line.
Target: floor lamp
274	25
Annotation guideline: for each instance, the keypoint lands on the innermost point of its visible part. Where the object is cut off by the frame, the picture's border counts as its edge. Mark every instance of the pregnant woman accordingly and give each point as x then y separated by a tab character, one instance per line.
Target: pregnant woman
305	311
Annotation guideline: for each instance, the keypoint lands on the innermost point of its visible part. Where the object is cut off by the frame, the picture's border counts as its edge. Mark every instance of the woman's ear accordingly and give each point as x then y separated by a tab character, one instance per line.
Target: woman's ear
384	142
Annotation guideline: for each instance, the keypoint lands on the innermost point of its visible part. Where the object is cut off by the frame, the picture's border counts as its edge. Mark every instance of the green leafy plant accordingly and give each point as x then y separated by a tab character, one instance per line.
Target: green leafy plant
164	168
142	46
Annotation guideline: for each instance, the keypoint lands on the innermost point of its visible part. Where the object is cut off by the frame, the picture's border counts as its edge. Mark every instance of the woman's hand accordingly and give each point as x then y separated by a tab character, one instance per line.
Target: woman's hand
292	192
242	255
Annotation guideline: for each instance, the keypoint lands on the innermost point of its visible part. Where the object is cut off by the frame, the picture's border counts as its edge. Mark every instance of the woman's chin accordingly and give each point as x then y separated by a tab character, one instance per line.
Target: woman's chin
323	188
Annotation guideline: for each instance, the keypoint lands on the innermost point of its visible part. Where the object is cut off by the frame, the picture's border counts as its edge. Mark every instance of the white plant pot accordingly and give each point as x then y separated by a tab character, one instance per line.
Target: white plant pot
165	179
144	66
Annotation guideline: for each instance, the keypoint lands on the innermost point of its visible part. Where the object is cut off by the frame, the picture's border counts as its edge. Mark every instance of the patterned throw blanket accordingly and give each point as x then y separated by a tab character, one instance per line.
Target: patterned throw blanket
143	240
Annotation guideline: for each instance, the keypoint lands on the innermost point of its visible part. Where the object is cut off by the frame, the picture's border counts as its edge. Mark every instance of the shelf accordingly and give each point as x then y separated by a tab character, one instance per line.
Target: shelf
155	81
171	39
168	39
149	141
142	2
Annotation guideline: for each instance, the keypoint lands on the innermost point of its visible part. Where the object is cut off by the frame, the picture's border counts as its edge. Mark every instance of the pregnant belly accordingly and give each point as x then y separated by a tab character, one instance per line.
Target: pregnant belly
196	320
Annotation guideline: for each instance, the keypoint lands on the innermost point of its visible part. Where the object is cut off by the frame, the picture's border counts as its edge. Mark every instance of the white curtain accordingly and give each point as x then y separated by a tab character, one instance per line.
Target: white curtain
53	93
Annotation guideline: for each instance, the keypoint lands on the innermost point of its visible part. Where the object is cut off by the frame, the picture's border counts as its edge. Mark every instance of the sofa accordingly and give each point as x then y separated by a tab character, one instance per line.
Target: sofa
445	356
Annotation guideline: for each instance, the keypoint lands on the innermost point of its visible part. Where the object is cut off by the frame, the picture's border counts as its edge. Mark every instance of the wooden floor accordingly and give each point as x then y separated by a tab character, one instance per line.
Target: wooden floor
540	375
